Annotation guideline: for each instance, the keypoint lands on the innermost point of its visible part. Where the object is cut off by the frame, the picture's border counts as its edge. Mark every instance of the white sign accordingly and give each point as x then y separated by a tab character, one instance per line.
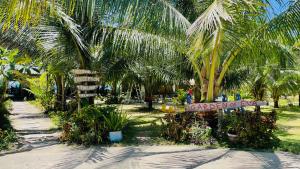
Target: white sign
222	105
87	88
83	72
87	95
81	79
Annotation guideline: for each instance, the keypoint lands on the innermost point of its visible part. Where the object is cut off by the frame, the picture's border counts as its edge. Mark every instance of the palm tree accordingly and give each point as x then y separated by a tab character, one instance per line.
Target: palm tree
223	33
84	30
154	72
280	82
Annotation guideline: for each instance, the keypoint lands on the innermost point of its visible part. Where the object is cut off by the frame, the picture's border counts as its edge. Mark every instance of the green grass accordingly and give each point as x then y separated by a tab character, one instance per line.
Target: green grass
289	129
144	127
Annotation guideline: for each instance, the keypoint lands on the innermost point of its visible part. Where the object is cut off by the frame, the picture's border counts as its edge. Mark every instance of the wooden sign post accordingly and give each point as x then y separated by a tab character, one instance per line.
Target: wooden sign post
86	84
222	105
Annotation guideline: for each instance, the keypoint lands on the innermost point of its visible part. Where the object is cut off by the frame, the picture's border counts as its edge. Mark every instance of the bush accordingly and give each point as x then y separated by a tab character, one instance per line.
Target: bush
252	129
4	122
38	87
6	138
201	133
176	126
181	96
92	124
186	127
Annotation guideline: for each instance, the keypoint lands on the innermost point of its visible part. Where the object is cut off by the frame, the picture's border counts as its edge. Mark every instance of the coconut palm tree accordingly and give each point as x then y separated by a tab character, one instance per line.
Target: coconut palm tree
280	82
225	30
85	30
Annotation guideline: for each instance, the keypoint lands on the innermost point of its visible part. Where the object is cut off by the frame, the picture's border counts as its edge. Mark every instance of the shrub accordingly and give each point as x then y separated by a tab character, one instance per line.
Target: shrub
186	127
176	126
181	96
38	87
4	122
252	129
201	133
6	138
92	124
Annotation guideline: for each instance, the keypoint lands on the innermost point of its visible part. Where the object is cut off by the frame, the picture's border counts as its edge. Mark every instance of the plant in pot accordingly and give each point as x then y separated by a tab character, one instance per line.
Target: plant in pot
232	127
232	134
114	122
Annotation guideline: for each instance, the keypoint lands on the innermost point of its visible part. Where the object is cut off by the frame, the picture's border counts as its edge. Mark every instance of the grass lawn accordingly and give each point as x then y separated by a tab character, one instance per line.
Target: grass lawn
144	126
289	128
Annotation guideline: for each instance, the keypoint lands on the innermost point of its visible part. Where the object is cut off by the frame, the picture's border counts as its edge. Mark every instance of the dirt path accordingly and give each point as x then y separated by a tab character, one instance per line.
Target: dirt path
35	130
33	127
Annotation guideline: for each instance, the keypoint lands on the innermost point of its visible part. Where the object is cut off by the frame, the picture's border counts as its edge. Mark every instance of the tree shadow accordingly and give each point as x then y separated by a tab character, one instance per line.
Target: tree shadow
272	160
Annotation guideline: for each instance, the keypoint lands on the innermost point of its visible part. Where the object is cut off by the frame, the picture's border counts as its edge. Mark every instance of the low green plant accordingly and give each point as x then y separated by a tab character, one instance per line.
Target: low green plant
91	124
115	121
6	138
8	104
181	96
201	133
38	87
4	122
252	129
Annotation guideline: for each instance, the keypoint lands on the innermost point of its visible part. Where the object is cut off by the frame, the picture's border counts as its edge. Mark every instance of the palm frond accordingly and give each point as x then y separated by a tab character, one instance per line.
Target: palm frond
210	19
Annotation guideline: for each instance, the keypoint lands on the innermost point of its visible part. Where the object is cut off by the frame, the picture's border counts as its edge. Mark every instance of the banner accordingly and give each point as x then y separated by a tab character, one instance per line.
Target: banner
222	105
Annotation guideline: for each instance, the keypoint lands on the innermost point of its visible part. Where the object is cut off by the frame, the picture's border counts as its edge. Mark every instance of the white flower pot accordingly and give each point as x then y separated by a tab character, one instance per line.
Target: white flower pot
232	137
115	136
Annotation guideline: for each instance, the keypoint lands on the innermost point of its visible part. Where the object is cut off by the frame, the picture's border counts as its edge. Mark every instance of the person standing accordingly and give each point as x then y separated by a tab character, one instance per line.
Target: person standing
189	97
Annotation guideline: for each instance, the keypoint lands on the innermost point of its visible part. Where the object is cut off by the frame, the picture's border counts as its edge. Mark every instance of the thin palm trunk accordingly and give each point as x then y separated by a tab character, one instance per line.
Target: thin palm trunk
213	68
60	96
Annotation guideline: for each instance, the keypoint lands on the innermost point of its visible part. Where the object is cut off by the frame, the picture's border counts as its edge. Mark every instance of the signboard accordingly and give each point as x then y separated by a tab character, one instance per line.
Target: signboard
86	88
87	95
86	82
222	105
81	79
83	72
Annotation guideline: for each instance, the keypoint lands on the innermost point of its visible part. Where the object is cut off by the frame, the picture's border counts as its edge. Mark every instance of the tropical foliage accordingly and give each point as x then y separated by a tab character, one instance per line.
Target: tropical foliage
226	46
92	124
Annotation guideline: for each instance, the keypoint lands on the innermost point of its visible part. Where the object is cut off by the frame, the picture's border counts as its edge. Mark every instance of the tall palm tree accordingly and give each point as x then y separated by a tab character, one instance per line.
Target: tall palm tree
84	30
225	30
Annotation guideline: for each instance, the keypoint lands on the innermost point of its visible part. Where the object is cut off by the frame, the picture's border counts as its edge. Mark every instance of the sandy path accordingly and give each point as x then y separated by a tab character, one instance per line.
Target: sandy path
33	127
69	157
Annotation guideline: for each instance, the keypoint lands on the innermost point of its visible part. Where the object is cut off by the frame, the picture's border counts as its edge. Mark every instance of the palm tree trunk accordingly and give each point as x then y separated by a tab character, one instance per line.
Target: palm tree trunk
149	97
63	100
299	99
276	102
212	71
114	89
197	94
60	96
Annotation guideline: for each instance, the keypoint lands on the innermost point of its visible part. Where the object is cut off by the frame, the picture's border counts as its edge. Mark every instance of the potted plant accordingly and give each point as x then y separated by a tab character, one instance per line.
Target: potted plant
114	122
232	134
232	127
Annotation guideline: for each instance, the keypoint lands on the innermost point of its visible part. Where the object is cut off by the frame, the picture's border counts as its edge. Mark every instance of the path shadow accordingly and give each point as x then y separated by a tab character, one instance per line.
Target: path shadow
272	161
